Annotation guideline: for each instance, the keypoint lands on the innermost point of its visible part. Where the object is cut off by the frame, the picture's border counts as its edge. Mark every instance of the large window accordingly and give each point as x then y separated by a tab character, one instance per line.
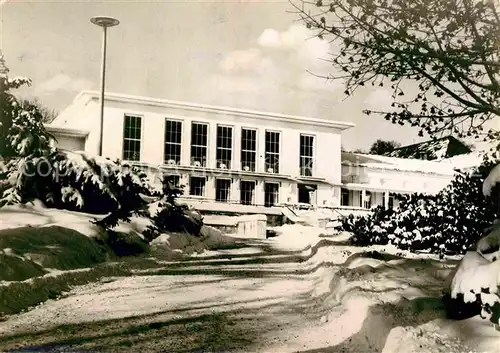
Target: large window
222	190
132	138
306	155
272	164
248	149
197	186
224	146
271	194
173	133
199	143
247	192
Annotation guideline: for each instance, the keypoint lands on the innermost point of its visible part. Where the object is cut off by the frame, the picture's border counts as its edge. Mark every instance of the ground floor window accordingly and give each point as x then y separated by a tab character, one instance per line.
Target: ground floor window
345	199
391	201
247	192
271	194
197	186
174	180
307	193
222	190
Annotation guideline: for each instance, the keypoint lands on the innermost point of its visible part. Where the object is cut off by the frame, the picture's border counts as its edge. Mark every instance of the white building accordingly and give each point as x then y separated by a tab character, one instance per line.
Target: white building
219	154
371	180
240	160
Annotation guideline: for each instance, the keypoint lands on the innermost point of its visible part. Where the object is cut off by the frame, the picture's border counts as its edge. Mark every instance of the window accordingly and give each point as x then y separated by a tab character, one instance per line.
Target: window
306	155
222	189
199	142
272	152
345	198
224	146
174	180
197	186
132	138
271	194
247	192
391	201
248	149
173	133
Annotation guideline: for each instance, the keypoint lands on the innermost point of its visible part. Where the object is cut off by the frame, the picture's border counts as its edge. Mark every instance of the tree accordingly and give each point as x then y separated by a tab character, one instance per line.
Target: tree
22	133
444	51
382	147
47	113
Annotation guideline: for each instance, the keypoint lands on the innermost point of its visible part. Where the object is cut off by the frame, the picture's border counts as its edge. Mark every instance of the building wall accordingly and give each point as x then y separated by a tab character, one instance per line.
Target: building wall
396	180
327	141
72	143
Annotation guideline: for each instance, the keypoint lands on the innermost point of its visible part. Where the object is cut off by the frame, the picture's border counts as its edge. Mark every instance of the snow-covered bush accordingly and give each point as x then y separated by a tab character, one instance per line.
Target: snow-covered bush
476	282
75	181
447	223
21	126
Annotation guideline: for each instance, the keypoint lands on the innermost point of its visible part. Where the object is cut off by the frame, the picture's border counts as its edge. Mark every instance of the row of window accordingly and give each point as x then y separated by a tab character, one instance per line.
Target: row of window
197	187
347	199
224	148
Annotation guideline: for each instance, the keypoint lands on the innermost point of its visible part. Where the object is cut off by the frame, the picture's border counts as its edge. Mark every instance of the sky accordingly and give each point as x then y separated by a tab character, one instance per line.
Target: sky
243	54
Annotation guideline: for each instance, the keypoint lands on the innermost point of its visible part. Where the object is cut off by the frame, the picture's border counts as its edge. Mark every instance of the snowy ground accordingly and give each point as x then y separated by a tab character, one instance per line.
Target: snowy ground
294	292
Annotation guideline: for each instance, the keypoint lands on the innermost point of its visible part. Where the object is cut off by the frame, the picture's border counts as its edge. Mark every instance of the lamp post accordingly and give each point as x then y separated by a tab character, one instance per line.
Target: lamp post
104	22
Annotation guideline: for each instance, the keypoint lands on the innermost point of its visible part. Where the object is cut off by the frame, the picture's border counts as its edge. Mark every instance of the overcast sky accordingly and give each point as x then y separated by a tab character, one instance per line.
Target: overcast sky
245	54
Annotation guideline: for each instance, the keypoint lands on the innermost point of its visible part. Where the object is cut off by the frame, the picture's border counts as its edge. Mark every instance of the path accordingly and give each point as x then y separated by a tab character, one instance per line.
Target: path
253	300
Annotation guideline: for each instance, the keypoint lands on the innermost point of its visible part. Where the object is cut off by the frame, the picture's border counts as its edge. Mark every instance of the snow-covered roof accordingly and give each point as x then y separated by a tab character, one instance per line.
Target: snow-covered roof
400	164
465	161
65	131
437	149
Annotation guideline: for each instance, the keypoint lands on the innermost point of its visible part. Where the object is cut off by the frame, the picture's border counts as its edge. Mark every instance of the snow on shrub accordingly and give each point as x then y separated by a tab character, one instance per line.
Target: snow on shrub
75	181
447	223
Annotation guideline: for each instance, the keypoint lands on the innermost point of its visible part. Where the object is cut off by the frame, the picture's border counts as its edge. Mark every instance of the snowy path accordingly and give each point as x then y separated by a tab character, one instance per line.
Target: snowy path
262	299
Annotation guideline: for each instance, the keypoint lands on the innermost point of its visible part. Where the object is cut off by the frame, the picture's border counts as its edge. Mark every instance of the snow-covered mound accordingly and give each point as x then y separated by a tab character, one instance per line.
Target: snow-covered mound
491	180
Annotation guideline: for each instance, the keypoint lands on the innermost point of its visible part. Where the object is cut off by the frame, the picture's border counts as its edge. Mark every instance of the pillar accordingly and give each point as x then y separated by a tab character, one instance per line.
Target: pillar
186	143
386	200
363	198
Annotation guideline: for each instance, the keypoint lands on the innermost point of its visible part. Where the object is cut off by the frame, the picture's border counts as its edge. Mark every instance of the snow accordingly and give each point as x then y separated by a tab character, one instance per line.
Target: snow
356	299
474	274
491	180
400	164
36	214
465	161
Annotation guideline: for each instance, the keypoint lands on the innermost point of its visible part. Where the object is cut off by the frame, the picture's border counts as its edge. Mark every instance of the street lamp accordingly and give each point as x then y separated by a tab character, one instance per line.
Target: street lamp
104	22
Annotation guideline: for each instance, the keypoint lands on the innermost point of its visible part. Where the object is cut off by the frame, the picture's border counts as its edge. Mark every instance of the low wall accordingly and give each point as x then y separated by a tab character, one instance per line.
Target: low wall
248	226
253	226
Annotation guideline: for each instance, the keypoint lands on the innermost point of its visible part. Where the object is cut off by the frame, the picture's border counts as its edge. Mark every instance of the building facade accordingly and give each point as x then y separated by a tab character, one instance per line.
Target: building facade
219	155
370	180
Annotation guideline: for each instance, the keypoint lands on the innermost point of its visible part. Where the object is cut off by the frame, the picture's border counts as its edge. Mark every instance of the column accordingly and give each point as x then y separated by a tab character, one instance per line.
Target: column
259	192
186	143
235	190
261	150
184	181
212	146
386	200
210	188
236	153
363	198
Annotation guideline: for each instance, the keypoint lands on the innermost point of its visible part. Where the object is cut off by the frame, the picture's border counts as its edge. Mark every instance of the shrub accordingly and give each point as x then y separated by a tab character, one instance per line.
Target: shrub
173	217
447	223
76	182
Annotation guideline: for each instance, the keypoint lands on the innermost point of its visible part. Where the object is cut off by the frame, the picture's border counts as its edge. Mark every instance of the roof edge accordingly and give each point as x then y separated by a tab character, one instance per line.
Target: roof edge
340	125
66	131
